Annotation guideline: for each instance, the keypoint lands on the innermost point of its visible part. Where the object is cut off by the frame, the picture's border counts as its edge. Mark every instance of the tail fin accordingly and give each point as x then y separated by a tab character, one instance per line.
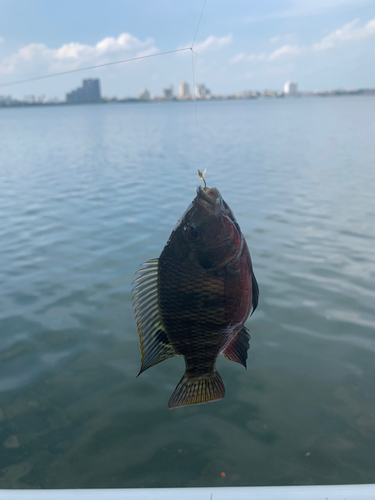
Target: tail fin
197	390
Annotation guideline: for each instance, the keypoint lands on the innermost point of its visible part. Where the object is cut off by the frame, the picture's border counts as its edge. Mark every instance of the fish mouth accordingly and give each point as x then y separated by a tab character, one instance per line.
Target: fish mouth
211	196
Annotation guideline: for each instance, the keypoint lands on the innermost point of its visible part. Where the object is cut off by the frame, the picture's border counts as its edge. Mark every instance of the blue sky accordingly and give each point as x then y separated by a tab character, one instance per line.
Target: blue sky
241	45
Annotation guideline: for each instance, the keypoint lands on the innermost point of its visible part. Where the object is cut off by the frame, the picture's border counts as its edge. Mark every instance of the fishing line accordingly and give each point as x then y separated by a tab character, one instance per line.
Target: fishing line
199	22
194	93
92	67
43	77
195	106
61	73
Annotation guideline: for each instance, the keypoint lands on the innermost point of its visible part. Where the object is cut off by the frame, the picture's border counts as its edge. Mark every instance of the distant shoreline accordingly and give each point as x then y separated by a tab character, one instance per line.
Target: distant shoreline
238	97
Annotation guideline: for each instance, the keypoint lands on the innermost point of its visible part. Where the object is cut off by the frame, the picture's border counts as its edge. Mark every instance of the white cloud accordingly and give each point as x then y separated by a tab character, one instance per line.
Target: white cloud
288	38
285	50
348	33
238	58
1	39
307	7
302	8
75	55
212	43
243	57
256	57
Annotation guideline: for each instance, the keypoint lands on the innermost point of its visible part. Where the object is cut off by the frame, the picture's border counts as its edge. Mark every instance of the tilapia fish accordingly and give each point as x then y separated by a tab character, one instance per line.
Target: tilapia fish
194	300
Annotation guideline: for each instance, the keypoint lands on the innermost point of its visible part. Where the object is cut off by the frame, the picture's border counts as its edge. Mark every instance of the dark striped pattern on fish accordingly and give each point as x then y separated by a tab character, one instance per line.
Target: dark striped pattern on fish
193	300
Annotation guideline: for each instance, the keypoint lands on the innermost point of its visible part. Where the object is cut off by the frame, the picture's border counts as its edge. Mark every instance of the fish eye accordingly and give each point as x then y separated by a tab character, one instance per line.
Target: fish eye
193	233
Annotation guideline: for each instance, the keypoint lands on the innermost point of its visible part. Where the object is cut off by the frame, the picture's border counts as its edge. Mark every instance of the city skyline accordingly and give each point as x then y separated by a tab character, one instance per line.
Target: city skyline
90	92
240	45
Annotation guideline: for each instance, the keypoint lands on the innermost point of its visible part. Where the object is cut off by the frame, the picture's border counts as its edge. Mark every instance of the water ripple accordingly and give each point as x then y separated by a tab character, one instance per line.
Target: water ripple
299	176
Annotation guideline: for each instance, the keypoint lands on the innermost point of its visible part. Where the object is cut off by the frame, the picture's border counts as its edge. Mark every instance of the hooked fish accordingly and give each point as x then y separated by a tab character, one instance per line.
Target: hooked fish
194	300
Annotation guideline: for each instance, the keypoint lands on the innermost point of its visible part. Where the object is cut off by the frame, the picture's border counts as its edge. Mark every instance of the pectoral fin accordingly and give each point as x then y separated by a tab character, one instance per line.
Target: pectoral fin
237	348
155	346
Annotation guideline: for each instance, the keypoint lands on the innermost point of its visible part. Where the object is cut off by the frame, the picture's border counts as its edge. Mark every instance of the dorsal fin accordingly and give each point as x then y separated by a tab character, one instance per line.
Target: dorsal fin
155	346
237	348
255	292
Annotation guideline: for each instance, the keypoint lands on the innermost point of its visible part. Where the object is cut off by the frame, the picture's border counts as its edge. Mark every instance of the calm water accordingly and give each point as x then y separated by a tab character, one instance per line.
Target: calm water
87	193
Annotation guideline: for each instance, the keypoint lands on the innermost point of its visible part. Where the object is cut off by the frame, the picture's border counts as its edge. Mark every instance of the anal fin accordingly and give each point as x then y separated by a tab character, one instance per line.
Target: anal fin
156	350
237	348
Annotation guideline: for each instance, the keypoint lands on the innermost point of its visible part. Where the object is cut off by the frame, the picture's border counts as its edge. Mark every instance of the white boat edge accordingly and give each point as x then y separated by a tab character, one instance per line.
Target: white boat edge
330	492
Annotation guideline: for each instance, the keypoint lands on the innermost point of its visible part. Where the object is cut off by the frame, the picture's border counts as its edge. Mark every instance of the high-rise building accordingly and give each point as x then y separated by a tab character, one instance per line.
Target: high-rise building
168	93
5	100
144	95
89	92
201	91
184	90
40	99
290	88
